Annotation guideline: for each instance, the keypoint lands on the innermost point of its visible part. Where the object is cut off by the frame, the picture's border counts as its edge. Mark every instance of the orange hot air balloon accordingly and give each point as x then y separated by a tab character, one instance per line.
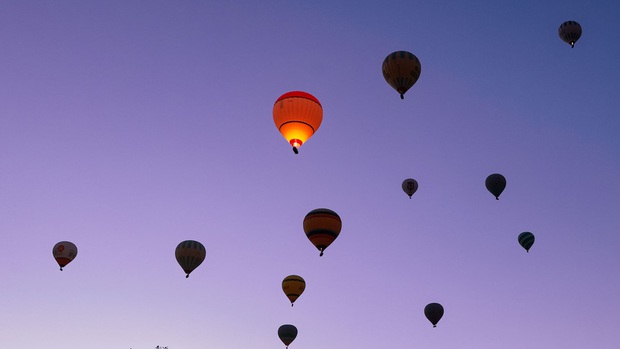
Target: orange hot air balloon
297	116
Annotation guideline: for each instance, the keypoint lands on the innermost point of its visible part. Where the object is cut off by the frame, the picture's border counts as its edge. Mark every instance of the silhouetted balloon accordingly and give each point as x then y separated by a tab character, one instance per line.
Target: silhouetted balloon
526	240
64	252
322	227
433	312
401	69
190	254
297	116
495	183
293	286
410	186
570	32
287	334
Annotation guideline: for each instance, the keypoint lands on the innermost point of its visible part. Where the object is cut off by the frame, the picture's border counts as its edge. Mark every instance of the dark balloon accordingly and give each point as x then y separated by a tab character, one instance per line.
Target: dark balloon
433	312
526	240
322	226
495	183
190	254
410	186
287	334
401	69
570	32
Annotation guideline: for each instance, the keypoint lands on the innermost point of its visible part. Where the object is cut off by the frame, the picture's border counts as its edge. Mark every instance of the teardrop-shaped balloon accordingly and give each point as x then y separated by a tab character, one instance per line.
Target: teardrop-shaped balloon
64	252
410	186
495	183
190	254
293	286
401	69
322	226
570	32
297	115
287	334
526	240
433	312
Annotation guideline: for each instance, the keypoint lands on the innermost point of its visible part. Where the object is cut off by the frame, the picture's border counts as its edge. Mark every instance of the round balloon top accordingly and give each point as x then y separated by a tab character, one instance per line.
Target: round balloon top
434	313
287	334
410	186
526	240
64	252
495	183
297	115
322	226
401	69
570	32
293	286
190	254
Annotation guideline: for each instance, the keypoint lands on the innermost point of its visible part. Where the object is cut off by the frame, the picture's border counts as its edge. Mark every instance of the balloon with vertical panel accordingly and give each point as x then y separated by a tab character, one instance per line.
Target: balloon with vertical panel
526	240
190	254
322	226
401	69
287	334
297	115
410	186
64	252
570	32
293	286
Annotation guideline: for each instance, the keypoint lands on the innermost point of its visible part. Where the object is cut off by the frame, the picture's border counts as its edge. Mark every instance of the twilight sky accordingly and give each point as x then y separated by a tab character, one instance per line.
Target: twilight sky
127	127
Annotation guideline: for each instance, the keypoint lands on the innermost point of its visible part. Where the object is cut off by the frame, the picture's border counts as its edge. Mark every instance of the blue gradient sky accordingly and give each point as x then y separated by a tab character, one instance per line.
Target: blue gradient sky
127	127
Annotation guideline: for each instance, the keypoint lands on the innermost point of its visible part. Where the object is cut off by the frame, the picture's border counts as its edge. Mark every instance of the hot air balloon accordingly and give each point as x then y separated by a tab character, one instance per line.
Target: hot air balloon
401	69
297	116
526	240
64	252
322	227
410	186
570	32
433	312
495	183
190	254
293	286
287	334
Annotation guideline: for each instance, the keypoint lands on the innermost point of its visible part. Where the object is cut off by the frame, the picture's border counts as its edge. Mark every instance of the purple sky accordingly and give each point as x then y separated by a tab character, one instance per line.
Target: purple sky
127	127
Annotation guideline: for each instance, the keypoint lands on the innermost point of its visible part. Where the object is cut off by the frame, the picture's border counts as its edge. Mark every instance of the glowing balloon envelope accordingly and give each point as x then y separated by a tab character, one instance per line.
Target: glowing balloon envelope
322	226
190	254
410	186
570	32
526	240
401	69
293	286
297	115
495	183
64	252
287	334
433	312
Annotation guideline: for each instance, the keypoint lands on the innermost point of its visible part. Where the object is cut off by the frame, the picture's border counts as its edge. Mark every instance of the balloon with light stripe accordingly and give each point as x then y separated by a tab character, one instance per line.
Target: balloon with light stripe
322	227
293	286
190	254
526	240
297	115
401	69
64	252
570	32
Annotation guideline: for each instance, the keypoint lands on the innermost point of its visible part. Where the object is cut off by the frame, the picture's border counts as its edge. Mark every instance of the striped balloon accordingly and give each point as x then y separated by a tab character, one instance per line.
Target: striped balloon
64	252
287	334
322	227
293	286
190	254
297	115
526	240
570	32
401	69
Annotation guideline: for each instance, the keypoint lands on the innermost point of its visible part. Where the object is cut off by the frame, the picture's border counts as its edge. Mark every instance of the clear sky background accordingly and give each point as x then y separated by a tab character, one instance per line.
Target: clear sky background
127	127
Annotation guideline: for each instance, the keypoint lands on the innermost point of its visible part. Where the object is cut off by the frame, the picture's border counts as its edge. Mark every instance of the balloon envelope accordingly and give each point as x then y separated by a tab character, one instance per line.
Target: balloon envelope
410	186
190	254
322	226
433	312
495	183
293	286
570	32
64	252
287	334
297	115
401	69
526	240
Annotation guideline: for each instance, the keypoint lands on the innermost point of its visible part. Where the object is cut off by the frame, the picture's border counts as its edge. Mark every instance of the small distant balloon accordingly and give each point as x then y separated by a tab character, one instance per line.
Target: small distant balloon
64	252
433	312
495	183
526	240
410	186
190	254
293	286
570	32
322	226
287	334
401	69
